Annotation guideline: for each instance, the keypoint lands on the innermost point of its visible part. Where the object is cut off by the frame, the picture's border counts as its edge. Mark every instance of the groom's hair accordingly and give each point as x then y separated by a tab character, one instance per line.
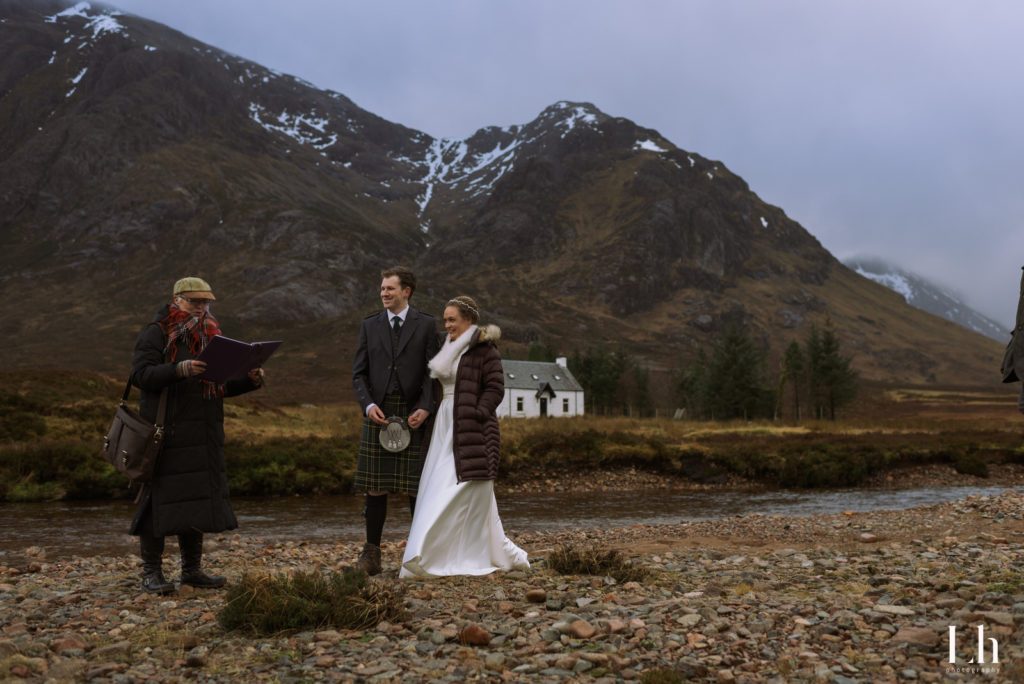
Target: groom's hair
406	278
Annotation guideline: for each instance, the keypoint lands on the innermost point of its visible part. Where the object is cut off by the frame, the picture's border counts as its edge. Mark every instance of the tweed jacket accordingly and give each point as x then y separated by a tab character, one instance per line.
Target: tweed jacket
1013	358
375	365
479	389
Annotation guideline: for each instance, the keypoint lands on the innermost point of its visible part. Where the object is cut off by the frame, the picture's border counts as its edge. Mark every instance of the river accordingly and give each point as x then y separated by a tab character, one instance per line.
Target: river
89	528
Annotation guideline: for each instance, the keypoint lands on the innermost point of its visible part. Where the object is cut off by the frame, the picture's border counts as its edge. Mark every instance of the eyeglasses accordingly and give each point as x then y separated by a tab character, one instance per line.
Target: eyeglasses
196	300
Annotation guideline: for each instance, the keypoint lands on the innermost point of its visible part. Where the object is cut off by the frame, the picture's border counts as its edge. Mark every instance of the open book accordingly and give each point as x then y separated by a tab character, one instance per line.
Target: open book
228	359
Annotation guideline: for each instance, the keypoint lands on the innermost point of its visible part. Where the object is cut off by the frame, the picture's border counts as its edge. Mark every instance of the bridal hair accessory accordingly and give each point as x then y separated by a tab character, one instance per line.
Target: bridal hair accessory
463	304
395	435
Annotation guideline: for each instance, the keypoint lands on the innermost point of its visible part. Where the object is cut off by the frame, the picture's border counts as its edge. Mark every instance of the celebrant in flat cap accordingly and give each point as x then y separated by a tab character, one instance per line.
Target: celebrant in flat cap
188	495
390	379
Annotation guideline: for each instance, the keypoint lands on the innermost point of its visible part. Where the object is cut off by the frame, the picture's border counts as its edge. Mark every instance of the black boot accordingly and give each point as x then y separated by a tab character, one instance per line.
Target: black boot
191	545
152	550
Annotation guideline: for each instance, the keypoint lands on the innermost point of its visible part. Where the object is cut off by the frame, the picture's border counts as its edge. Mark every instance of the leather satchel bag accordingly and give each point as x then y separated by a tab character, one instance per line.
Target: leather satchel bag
133	444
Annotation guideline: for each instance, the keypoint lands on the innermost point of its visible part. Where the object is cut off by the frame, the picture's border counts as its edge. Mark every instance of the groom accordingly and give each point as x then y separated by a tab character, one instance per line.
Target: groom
390	378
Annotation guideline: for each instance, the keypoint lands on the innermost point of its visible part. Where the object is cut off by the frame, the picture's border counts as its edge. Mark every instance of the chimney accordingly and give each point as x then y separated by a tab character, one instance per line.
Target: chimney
563	362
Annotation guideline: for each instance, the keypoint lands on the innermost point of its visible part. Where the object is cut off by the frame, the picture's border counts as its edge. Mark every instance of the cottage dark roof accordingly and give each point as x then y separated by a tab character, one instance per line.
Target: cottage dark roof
531	375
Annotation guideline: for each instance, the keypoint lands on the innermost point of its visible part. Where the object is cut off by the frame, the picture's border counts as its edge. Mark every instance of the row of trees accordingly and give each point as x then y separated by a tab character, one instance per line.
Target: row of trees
732	381
814	379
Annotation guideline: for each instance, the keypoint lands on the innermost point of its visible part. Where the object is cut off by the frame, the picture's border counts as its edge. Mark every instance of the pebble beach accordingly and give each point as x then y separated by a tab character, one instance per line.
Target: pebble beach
852	597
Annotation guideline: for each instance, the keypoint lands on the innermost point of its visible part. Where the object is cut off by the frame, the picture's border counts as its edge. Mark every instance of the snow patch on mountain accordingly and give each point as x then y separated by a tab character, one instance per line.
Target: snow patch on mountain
99	24
922	294
649	145
306	129
893	281
450	162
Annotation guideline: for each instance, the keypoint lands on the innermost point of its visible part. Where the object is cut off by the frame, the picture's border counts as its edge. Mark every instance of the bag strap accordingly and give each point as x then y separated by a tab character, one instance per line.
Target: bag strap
161	409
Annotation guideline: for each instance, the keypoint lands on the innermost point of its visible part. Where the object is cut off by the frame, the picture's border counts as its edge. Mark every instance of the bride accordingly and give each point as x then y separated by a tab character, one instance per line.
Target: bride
456	529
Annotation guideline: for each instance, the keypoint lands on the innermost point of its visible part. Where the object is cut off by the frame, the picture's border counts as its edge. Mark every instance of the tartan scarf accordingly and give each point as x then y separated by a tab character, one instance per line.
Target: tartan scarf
179	324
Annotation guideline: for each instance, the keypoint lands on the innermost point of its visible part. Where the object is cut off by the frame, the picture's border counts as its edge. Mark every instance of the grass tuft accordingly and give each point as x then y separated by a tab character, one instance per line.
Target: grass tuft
663	676
277	603
569	560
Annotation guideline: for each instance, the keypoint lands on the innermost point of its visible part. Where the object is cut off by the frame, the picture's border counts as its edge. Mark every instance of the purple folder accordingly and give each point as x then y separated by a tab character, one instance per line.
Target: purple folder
228	359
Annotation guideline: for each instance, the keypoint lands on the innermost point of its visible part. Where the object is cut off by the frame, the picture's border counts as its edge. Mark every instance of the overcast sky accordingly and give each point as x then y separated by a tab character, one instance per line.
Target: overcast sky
886	128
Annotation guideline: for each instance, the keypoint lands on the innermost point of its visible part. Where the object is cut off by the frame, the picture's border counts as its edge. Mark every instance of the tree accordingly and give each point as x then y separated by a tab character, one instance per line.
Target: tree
736	385
829	379
541	352
634	389
599	372
691	386
793	373
838	381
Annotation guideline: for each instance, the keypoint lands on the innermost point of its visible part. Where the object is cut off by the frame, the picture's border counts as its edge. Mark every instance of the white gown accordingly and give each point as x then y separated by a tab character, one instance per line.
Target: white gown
456	529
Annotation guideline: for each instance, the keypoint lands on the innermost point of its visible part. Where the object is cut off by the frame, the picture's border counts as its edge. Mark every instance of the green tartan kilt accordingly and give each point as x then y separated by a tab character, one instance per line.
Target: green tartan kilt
379	470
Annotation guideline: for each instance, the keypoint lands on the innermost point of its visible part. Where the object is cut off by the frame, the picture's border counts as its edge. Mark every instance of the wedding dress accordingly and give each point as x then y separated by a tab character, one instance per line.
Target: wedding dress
456	529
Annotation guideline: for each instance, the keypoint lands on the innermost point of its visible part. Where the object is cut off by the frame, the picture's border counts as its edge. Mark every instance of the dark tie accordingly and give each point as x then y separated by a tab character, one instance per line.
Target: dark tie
396	324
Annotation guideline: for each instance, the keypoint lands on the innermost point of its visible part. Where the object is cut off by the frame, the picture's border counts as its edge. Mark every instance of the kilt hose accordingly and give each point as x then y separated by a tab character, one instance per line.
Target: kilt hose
379	470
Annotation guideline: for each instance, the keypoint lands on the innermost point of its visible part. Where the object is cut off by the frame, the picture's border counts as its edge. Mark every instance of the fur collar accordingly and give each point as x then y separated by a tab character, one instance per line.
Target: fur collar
490	333
446	362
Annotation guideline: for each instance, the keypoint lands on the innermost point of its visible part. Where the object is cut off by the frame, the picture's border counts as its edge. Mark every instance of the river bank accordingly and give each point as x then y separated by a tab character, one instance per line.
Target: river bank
856	596
916	477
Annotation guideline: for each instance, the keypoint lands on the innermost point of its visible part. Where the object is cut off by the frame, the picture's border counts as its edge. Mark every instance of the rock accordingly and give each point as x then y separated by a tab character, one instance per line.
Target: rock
536	596
197	657
997	617
474	635
581	629
916	635
69	643
689	620
582	665
120	649
867	538
330	636
893	610
614	626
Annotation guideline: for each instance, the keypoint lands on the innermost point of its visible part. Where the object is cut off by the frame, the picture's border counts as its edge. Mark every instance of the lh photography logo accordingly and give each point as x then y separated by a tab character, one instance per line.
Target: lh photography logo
982	659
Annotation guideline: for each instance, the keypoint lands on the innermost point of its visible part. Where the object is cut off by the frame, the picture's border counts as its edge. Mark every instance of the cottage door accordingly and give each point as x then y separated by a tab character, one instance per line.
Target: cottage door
543	406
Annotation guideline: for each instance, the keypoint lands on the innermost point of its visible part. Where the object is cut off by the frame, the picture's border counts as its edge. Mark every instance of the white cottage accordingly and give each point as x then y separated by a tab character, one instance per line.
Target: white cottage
540	388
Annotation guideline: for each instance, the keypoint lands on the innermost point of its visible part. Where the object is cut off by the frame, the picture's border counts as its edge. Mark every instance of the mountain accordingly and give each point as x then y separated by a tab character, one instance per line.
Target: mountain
131	155
927	296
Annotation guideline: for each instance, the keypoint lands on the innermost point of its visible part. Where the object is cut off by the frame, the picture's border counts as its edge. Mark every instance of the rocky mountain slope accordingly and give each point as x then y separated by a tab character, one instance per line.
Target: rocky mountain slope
131	155
925	295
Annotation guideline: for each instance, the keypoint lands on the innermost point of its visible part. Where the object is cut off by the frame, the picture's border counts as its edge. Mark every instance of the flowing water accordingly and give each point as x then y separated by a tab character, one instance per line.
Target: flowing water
66	529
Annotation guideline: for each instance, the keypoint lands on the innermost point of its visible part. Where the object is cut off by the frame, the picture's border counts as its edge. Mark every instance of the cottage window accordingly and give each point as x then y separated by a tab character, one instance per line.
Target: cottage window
519	404
565	405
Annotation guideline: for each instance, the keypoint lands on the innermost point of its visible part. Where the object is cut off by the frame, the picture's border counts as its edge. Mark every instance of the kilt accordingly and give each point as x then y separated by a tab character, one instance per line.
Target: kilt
379	470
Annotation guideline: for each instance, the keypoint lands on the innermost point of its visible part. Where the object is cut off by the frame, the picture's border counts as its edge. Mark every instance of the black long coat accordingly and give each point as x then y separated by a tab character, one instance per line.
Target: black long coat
189	491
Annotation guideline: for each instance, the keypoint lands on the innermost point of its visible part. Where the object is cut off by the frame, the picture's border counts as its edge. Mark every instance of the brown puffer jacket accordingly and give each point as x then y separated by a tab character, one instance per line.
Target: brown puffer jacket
479	388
